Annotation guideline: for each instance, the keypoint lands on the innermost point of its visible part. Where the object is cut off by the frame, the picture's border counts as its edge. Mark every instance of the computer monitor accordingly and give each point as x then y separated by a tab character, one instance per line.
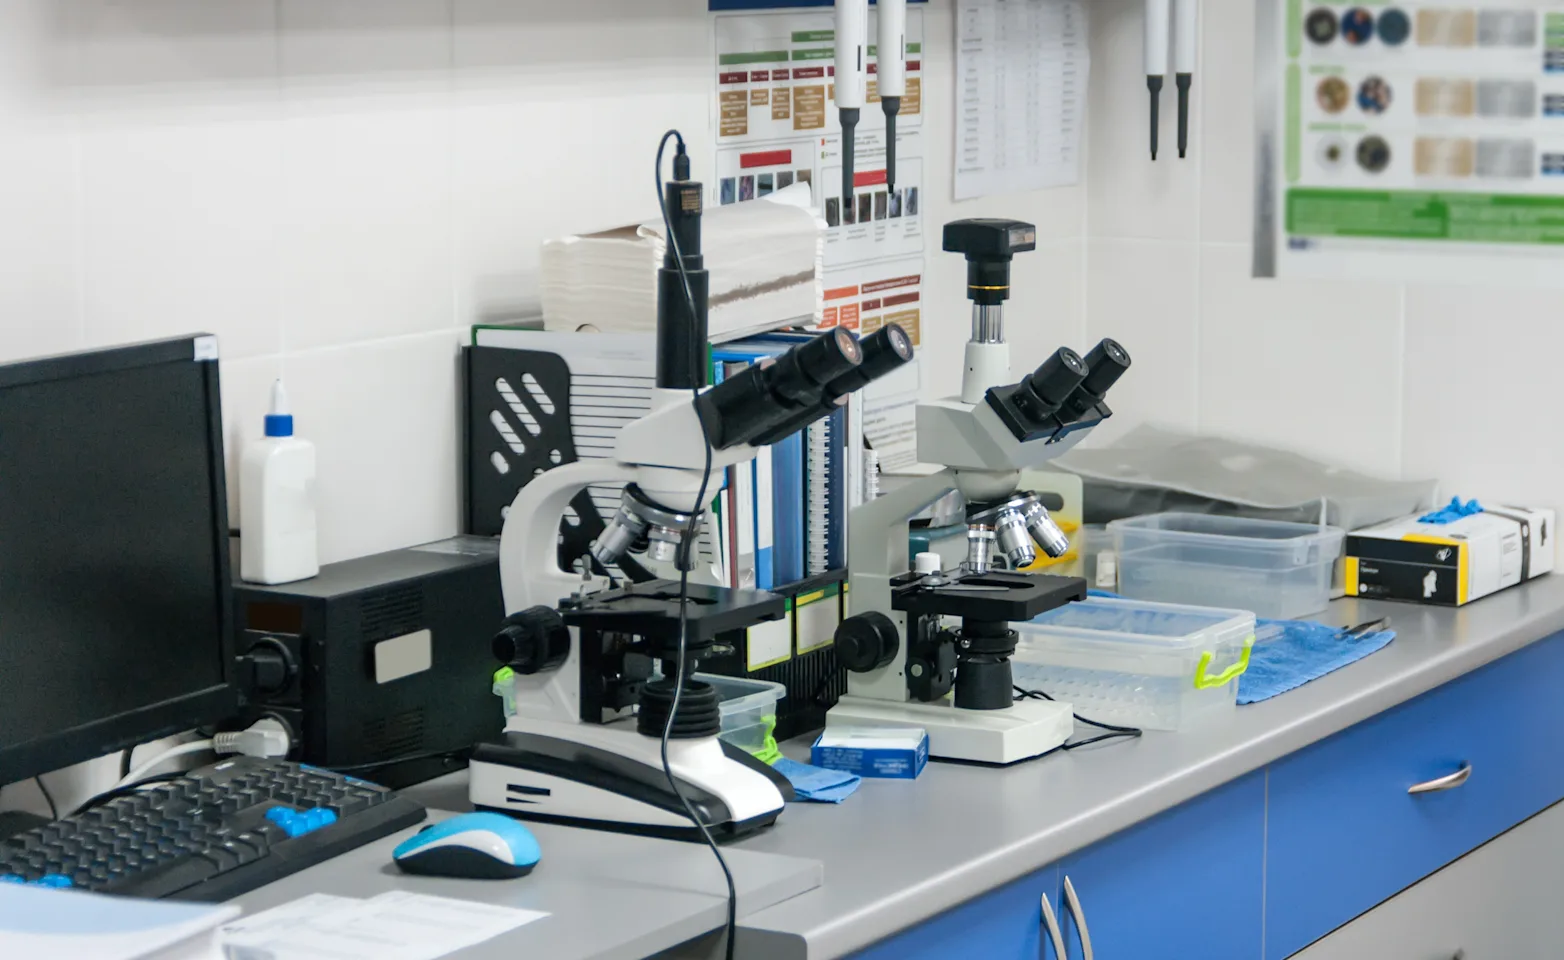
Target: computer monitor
116	612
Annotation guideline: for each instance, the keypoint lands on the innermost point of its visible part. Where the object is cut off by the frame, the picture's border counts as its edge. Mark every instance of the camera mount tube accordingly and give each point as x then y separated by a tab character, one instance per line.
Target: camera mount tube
681	330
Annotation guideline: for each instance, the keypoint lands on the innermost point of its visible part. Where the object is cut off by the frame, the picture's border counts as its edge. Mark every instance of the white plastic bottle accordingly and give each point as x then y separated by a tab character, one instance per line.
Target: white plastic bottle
277	532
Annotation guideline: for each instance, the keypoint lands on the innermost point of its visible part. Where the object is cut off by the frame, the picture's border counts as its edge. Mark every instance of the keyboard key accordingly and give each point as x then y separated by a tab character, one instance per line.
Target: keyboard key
223	859
164	881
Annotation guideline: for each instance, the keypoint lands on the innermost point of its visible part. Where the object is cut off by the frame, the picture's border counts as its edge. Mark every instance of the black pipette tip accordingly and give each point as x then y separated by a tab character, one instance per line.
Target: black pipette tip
891	107
849	148
1154	84
1183	82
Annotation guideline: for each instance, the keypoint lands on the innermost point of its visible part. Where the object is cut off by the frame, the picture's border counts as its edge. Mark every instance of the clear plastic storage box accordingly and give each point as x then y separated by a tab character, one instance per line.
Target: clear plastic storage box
1277	570
749	711
1156	666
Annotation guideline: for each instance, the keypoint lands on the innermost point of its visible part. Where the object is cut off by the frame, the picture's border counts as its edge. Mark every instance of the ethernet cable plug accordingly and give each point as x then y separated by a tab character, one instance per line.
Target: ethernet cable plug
266	738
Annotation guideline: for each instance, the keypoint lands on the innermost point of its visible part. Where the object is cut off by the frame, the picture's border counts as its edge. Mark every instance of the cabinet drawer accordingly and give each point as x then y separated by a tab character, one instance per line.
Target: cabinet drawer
1343	832
1498	902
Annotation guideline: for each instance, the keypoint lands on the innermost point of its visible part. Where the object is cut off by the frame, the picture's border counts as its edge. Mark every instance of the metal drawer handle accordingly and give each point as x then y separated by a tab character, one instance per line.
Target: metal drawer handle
1051	922
1443	783
1074	903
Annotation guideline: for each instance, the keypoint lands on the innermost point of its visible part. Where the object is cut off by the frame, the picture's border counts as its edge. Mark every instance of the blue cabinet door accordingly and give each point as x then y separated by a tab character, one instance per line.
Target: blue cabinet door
1345	834
1003	925
1186	884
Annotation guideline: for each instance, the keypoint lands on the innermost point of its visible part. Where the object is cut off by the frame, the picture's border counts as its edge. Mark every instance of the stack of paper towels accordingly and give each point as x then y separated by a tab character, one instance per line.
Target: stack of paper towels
765	257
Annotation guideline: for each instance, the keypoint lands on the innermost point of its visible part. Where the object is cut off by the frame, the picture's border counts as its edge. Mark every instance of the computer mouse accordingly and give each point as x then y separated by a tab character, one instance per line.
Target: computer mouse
472	846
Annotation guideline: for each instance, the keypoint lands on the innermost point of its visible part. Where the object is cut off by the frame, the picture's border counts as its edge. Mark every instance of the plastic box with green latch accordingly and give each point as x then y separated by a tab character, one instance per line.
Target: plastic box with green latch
749	713
749	709
1157	666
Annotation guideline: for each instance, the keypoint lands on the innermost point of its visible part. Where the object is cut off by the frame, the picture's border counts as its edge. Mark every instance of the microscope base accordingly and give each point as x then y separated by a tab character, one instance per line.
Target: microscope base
612	779
1028	729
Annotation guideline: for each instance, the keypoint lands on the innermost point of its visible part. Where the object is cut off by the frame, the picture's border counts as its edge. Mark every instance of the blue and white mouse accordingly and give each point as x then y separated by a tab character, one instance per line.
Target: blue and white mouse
472	846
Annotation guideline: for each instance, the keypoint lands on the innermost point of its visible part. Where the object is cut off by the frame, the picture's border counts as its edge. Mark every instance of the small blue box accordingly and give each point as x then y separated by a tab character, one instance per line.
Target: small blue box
891	753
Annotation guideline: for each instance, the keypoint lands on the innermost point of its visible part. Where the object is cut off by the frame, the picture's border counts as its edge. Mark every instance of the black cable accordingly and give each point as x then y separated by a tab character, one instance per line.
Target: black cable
690	533
124	762
54	810
1114	732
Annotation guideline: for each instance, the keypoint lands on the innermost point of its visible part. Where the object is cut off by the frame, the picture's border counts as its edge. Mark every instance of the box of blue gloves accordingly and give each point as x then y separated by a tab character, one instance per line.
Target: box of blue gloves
892	753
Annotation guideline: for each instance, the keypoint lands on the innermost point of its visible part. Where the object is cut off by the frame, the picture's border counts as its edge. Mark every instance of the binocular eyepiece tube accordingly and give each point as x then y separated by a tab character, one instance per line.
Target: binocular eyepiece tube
773	399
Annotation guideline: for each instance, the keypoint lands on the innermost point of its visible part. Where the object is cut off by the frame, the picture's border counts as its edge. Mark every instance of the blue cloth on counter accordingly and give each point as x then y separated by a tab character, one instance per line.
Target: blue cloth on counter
1303	651
1456	510
817	783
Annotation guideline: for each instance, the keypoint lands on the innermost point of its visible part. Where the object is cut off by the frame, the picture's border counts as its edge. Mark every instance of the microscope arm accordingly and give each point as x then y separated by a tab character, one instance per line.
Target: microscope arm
877	538
530	574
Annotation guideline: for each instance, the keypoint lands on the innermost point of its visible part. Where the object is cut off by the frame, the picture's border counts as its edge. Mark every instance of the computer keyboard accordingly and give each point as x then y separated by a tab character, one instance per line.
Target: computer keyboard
215	833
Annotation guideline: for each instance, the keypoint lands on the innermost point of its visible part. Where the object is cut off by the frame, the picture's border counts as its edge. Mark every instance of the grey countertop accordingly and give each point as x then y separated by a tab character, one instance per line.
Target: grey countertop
898	852
609	897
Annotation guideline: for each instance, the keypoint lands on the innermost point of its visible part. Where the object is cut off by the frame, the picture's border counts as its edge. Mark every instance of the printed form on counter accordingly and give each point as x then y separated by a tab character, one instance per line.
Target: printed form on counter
777	126
1021	72
392	926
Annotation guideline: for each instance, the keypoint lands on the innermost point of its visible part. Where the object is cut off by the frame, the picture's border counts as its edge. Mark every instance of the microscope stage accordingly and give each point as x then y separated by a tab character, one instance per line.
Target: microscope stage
652	610
998	596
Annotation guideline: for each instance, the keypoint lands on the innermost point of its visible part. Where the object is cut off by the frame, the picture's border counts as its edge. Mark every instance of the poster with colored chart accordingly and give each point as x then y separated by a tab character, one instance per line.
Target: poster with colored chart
1411	141
777	126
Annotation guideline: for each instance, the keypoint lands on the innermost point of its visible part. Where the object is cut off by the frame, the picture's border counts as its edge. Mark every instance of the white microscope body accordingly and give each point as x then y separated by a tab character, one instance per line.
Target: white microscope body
585	744
902	661
664	456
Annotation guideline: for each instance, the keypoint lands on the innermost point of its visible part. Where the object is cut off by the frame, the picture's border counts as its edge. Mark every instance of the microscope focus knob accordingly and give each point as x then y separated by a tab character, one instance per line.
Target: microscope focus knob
867	642
533	640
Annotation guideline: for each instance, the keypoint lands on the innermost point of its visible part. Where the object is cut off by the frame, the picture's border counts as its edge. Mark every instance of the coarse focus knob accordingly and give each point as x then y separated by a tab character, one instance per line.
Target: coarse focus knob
533	640
867	642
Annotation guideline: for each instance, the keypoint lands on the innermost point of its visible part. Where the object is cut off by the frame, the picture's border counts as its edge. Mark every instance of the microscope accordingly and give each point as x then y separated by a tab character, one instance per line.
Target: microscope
909	666
585	745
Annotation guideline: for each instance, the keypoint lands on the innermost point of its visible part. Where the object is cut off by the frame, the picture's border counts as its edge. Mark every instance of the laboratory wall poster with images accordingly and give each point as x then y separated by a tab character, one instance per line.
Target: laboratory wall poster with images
1405	141
777	126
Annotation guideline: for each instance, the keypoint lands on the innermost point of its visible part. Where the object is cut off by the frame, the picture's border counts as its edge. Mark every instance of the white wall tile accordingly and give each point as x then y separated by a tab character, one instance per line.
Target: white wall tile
40	303
1129	195
1144	295
384	418
366	165
366	226
1482	393
1307	365
178	57
354	44
1224	85
179	228
545	113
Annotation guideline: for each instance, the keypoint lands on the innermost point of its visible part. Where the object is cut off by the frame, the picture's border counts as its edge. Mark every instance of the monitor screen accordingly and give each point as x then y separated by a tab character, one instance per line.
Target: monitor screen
114	593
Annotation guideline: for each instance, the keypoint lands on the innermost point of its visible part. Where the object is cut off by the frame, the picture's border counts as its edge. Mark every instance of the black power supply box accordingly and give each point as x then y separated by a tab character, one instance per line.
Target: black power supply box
383	664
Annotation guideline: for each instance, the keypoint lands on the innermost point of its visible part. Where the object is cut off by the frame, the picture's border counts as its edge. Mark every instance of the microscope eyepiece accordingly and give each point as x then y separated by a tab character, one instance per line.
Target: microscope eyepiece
884	351
1108	361
1057	378
766	395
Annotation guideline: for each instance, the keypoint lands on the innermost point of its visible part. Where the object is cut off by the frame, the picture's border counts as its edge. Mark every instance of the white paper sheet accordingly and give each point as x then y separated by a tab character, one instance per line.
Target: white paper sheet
1021	71
392	926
